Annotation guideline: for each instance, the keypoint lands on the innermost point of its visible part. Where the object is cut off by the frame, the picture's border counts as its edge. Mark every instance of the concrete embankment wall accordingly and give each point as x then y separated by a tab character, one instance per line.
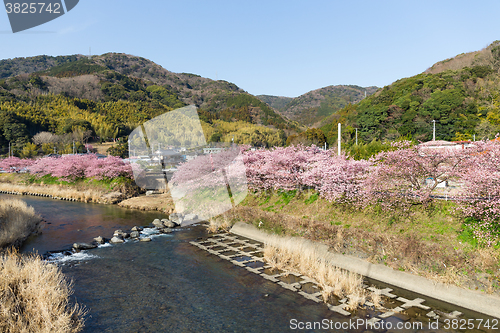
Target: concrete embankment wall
468	299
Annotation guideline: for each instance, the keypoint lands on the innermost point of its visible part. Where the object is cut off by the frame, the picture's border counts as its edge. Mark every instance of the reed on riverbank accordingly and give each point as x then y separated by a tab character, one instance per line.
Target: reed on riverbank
304	257
34	297
17	222
54	190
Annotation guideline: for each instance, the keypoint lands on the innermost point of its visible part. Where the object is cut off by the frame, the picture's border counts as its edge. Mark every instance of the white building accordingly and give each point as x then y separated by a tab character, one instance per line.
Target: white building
441	144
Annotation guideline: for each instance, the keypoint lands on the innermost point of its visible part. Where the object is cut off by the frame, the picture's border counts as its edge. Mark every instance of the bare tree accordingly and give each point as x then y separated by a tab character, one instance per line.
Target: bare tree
86	136
44	137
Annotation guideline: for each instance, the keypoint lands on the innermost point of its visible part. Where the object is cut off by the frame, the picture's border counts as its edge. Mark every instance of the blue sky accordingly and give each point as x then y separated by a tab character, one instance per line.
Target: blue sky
283	48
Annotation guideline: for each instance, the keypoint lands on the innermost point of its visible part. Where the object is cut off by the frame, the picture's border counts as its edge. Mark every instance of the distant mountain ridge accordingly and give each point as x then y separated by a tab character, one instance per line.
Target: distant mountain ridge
276	102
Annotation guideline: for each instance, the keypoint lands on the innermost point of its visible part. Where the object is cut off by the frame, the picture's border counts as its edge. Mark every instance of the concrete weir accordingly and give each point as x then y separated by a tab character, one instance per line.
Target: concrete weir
244	247
468	299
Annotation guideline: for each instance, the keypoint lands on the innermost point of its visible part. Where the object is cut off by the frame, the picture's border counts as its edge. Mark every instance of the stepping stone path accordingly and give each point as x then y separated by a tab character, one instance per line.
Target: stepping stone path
417	302
248	254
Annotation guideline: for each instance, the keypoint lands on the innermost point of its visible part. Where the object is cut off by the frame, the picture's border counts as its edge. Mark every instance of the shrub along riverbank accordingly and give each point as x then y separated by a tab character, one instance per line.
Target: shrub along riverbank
17	222
34	295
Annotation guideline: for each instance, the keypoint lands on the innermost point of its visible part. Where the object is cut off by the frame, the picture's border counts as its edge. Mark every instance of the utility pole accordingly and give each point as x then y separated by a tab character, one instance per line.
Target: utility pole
73	147
9	149
434	130
356	136
339	141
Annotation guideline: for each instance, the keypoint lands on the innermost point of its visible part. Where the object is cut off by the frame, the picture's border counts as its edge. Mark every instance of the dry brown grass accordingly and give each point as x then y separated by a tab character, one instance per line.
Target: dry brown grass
102	148
219	223
160	202
223	222
486	258
60	191
301	256
17	222
482	57
34	297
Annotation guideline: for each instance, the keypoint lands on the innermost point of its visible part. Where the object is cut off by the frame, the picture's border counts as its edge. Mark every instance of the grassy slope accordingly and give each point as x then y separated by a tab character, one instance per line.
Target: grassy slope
430	242
88	190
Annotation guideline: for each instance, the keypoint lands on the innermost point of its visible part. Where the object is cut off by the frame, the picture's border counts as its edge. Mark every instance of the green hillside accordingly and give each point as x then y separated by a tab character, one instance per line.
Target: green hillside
464	101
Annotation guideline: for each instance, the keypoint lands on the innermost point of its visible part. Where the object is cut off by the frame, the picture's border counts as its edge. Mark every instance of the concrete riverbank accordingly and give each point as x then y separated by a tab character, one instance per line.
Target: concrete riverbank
468	299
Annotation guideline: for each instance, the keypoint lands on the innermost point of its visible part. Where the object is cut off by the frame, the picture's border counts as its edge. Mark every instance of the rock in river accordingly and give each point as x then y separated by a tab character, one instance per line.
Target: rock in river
176	218
190	217
116	239
120	233
169	224
166	230
157	223
84	246
134	234
99	240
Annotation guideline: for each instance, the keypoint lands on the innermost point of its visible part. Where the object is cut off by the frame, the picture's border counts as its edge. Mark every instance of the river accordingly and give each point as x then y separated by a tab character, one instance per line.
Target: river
166	285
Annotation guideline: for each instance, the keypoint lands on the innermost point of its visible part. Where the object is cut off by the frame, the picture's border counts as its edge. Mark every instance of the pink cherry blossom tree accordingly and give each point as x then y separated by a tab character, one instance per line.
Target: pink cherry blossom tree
480	201
408	175
14	164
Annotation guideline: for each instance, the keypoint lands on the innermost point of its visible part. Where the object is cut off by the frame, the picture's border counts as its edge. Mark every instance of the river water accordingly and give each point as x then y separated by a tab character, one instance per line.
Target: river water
166	285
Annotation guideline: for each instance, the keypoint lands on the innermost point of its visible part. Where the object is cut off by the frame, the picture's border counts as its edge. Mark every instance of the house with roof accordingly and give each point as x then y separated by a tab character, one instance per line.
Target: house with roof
442	144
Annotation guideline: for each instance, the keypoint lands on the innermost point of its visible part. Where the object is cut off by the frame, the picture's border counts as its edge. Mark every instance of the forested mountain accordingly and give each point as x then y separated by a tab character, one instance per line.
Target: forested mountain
112	74
462	94
312	107
110	95
13	67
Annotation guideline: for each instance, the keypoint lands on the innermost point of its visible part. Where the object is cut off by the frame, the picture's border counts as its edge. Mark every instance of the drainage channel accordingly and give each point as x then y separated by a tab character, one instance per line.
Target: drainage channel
398	305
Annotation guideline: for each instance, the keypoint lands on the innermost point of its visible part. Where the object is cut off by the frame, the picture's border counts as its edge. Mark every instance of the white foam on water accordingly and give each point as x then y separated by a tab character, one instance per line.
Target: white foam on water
153	233
62	259
104	245
158	235
149	231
